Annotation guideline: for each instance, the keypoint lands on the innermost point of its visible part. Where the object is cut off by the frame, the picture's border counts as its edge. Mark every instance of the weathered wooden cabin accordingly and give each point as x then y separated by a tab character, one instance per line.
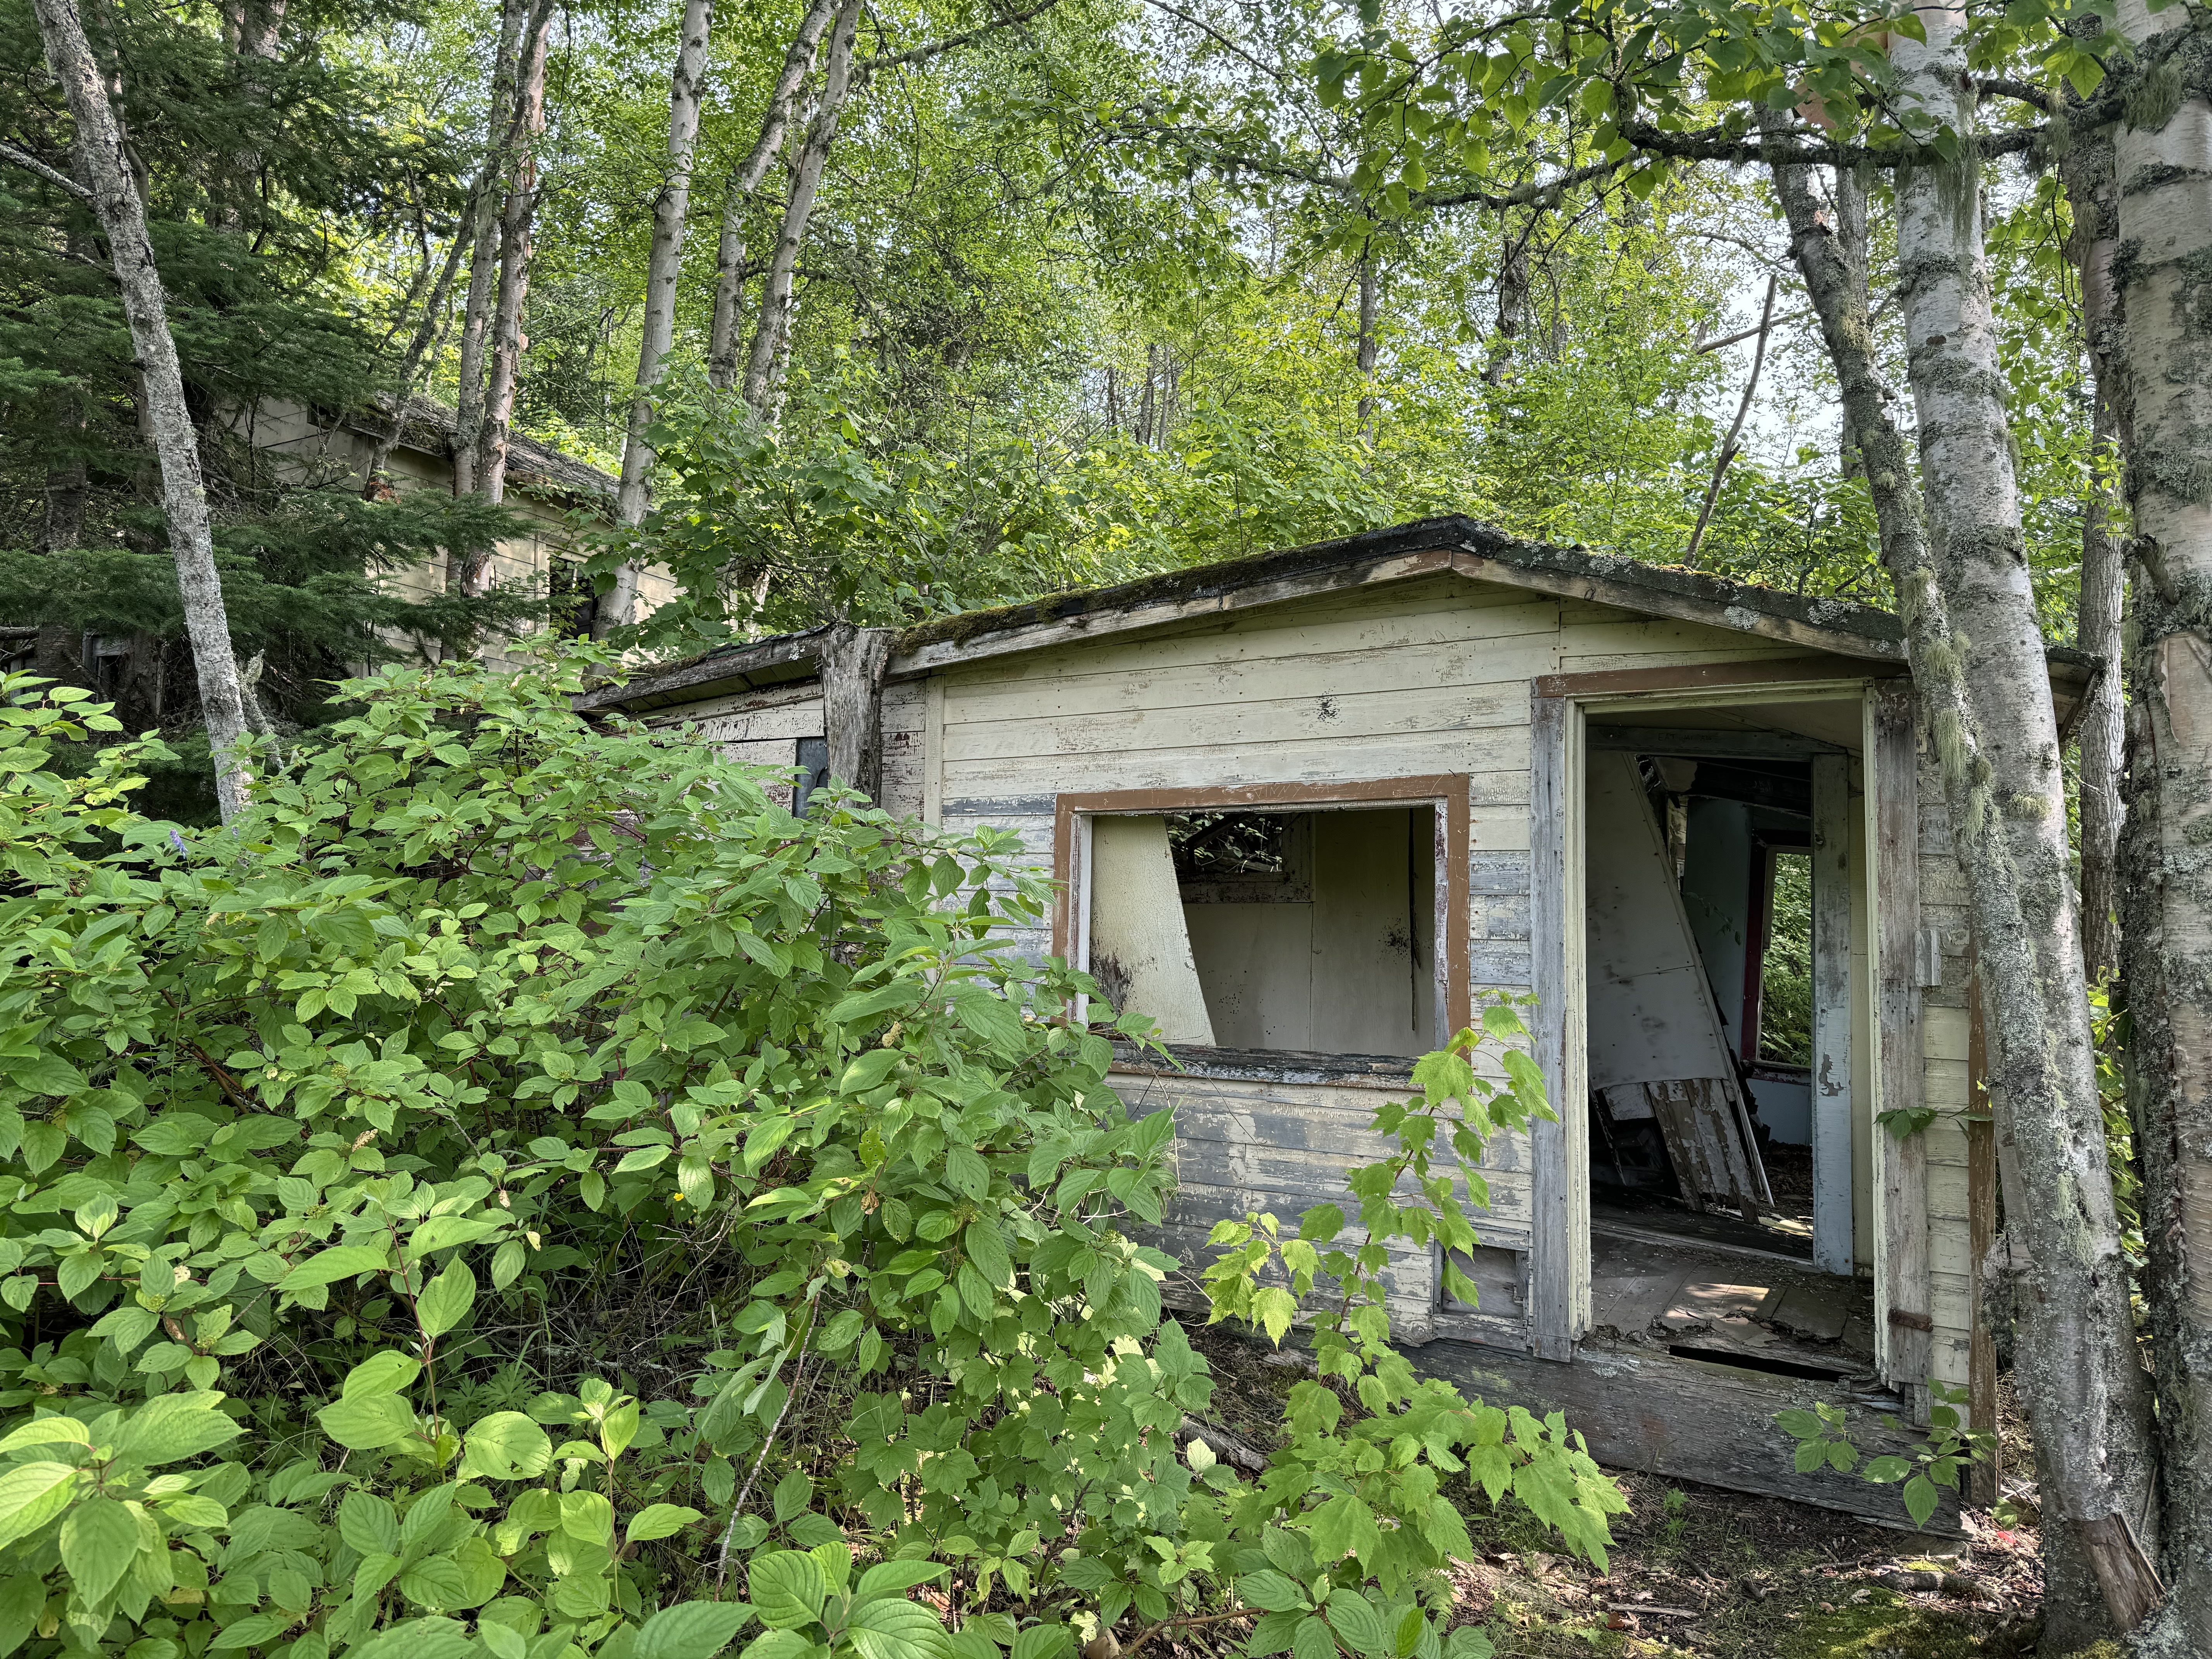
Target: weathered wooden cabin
1304	807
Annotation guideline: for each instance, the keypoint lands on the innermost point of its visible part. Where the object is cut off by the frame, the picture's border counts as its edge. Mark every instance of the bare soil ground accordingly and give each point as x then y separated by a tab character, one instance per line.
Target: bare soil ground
1698	1570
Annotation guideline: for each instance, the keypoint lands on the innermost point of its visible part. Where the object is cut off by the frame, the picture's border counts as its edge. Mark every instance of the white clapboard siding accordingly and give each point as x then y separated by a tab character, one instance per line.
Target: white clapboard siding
1946	1031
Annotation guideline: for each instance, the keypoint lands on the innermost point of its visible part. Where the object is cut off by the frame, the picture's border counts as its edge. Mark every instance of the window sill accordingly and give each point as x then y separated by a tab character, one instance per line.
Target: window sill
1391	1073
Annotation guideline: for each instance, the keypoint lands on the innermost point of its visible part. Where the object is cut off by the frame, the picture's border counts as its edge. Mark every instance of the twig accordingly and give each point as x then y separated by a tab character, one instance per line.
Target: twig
722	1555
1743	408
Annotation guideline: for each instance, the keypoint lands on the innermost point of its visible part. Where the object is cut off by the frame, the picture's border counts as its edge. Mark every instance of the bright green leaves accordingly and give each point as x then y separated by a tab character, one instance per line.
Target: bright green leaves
690	1630
446	1300
99	1540
508	1446
370	1412
32	1494
1928	1469
787	1589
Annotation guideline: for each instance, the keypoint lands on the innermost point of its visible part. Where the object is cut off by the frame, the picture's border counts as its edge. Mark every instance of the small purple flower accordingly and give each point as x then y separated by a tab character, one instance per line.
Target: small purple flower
177	841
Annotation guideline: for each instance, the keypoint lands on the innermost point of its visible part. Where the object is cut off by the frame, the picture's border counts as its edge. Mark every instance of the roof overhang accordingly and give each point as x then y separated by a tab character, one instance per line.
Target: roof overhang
1449	546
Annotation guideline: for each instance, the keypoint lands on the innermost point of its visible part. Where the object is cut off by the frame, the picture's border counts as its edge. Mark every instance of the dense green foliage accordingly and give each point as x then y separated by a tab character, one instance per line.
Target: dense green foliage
521	1174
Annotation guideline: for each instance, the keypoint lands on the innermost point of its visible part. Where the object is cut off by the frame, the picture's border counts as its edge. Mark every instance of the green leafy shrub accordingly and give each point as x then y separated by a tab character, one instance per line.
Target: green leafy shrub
519	1191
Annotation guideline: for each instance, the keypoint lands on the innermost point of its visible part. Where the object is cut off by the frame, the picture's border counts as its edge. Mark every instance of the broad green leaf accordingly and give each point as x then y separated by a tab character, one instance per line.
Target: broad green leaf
786	1588
99	1540
446	1300
1356	1622
660	1521
367	1422
172	1426
387	1371
32	1495
690	1630
368	1523
1039	1641
507	1446
1270	1591
1920	1499
893	1628
47	1431
1312	1640
896	1578
344	1261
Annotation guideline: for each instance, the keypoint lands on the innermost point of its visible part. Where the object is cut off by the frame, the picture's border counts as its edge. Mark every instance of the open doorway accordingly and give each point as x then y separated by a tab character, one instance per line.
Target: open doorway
1718	943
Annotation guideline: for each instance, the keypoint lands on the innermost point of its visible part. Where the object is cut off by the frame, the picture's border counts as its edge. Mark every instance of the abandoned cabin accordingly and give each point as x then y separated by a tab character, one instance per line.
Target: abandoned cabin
1302	808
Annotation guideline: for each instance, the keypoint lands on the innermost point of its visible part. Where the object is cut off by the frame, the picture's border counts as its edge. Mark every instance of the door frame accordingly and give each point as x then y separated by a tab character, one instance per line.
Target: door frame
1888	997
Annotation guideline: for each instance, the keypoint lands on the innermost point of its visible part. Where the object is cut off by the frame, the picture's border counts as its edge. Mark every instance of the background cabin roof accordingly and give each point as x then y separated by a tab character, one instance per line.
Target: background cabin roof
1454	544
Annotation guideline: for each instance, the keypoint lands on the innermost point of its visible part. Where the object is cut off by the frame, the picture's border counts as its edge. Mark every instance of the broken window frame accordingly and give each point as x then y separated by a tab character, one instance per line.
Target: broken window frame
1446	793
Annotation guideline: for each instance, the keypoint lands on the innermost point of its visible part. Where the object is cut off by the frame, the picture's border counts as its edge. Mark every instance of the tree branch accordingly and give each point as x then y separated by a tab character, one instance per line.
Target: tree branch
922	54
33	164
1715	144
1743	408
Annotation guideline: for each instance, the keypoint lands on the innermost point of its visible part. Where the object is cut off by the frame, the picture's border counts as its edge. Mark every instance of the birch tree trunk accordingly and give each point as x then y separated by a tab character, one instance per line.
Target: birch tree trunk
2077	1370
514	250
663	265
2086	169
744	179
2163	162
483	253
105	173
761	374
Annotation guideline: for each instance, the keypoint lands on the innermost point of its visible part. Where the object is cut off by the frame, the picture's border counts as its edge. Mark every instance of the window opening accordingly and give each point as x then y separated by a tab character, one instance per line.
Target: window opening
1308	932
571	604
1785	972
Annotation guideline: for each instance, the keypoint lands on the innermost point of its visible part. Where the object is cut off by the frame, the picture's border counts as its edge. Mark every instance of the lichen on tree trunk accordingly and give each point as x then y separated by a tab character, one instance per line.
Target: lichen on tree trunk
2161	273
105	174
1995	730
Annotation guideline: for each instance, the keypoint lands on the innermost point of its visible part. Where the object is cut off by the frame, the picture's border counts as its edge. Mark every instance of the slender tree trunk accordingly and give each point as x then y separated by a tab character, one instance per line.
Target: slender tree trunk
483	253
427	327
744	179
1370	300
663	265
2163	353
1847	192
2087	172
1513	291
2077	1369
761	376
105	173
514	250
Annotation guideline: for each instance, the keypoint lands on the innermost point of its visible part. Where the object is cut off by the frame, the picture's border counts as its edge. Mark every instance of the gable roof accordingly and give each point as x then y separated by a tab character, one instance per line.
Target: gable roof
1456	545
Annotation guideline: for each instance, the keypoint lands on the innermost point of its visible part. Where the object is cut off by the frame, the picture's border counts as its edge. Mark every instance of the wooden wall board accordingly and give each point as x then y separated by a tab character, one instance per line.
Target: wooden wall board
1559	1265
1640	1407
1904	1297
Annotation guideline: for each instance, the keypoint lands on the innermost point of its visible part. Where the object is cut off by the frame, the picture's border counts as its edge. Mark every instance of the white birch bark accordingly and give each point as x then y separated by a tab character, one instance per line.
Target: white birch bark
2163	354
2077	1366
761	373
483	253
663	265
2077	1369
516	218
744	179
105	172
